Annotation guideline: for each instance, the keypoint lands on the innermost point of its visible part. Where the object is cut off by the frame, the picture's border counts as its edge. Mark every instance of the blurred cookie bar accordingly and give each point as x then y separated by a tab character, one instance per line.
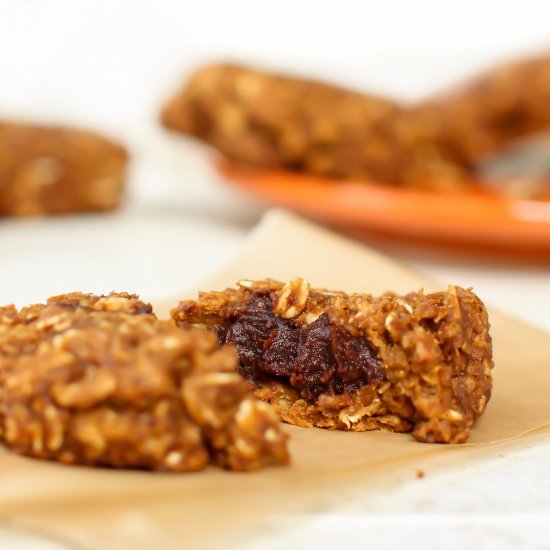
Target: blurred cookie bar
98	380
269	120
55	170
420	362
483	116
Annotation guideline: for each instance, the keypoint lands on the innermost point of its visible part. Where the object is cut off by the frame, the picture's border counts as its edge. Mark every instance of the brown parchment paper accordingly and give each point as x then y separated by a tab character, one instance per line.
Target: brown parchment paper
106	509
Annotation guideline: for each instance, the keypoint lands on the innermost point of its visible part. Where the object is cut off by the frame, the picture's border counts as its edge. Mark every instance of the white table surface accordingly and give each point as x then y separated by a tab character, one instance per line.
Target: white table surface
109	65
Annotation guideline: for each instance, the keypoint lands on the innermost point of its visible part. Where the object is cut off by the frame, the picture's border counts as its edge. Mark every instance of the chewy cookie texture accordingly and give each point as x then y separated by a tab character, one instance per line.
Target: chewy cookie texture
55	170
99	380
420	362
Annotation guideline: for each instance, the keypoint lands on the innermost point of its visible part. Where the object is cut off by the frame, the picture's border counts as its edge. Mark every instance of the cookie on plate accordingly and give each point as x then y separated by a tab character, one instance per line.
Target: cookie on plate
270	120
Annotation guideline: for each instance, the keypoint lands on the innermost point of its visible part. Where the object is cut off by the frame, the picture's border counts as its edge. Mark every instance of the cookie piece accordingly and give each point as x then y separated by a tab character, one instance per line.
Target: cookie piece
101	381
419	363
483	116
270	120
55	170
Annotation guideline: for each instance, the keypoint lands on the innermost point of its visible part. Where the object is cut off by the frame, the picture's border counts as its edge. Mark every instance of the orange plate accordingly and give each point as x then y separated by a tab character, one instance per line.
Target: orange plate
474	220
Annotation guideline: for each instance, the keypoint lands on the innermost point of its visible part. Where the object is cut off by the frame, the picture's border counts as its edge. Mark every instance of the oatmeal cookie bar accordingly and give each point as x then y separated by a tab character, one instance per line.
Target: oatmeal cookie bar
54	170
420	362
270	120
483	116
99	380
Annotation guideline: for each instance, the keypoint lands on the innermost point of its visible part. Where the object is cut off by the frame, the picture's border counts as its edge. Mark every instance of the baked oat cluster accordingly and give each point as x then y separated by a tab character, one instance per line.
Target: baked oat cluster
270	120
420	362
99	380
55	170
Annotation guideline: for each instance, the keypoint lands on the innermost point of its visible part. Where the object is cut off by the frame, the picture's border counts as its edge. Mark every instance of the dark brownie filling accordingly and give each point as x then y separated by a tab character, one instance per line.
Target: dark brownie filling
314	359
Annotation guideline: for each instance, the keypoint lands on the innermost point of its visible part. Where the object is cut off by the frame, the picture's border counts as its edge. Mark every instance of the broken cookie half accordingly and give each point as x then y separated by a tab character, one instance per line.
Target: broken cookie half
99	380
420	362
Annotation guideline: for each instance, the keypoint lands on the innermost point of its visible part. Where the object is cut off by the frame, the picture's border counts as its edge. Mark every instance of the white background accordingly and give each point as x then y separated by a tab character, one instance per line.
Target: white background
109	65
